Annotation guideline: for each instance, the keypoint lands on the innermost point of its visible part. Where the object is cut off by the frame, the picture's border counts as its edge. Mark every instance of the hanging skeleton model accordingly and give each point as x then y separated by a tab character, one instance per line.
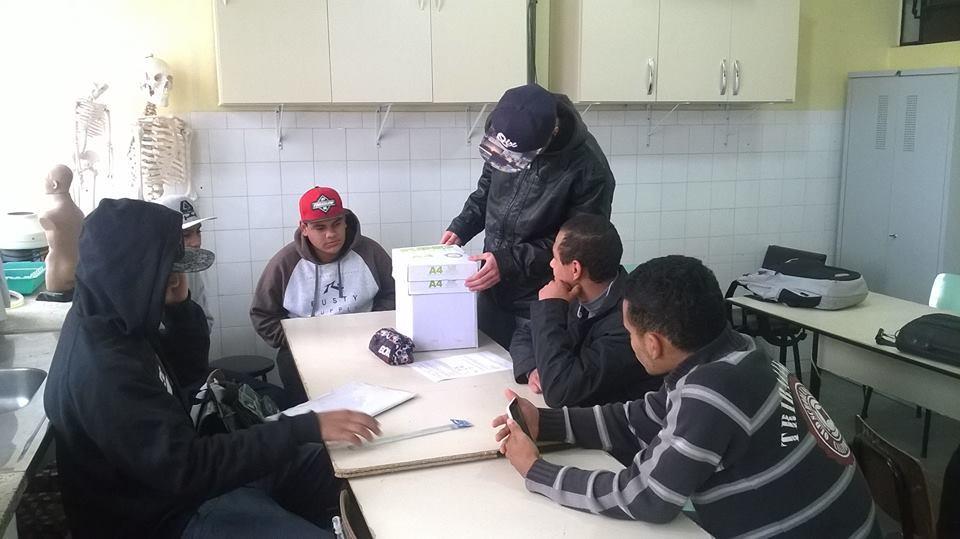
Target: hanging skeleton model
92	141
160	149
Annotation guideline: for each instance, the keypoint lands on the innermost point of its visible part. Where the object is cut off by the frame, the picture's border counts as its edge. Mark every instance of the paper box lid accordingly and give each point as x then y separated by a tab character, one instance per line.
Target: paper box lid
432	262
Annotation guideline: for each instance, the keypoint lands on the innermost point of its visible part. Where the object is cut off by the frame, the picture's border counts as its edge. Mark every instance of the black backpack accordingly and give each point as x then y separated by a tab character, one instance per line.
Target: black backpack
224	406
933	336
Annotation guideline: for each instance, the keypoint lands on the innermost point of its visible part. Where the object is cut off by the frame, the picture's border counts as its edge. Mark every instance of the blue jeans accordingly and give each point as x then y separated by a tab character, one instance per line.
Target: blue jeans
296	501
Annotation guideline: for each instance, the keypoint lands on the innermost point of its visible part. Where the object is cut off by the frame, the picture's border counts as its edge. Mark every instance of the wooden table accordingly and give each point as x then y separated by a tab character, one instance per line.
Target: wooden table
488	499
849	349
332	350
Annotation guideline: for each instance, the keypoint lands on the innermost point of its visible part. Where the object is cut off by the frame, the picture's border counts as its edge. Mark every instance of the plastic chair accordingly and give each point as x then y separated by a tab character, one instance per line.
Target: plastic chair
945	293
896	480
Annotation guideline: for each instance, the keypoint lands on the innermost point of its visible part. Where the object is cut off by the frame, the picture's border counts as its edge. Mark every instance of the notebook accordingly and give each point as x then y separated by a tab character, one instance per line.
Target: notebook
358	396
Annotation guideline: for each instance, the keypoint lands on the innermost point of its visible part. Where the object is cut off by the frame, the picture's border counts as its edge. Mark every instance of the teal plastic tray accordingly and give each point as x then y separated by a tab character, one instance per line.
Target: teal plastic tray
24	277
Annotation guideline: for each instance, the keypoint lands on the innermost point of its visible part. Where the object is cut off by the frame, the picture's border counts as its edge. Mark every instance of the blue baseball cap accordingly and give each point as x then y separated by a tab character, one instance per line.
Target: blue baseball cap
519	128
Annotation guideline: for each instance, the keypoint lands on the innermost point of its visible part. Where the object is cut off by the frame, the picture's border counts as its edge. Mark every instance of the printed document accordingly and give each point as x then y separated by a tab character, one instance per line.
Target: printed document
461	366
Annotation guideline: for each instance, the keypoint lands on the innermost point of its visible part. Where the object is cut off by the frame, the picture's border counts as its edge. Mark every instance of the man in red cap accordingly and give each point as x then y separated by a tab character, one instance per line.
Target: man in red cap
329	268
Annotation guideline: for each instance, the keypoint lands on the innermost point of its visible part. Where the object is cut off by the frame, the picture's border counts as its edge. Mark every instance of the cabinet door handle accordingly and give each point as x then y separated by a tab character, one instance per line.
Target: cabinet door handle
651	75
439	5
420	4
894	236
723	77
736	77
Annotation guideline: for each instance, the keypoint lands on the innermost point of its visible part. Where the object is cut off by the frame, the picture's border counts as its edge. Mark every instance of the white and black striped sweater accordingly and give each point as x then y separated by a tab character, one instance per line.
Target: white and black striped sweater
731	431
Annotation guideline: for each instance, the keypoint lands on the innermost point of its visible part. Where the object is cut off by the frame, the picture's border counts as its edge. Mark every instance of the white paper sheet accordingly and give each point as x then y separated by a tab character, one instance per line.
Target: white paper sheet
461	366
358	396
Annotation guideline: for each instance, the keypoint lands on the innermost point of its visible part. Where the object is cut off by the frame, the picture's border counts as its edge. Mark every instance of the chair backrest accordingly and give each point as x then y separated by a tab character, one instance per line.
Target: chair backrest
896	481
945	293
777	255
351	519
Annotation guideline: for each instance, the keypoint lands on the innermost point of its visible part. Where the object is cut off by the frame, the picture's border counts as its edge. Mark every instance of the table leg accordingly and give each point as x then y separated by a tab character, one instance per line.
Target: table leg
815	368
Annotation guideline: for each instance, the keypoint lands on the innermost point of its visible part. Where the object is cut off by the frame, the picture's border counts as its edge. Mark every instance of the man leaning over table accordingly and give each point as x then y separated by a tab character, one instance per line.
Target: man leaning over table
731	431
542	166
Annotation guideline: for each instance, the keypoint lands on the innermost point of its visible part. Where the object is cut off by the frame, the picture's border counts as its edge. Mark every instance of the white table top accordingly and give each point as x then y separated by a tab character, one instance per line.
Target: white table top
488	498
857	325
332	350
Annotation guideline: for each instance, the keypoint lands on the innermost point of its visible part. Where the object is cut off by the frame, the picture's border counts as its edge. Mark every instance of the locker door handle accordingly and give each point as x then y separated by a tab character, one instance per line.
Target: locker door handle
736	77
651	75
894	236
723	77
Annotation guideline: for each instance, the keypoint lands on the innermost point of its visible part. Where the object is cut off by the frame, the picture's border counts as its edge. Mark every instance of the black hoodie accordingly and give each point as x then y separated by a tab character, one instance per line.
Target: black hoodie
522	213
130	460
582	360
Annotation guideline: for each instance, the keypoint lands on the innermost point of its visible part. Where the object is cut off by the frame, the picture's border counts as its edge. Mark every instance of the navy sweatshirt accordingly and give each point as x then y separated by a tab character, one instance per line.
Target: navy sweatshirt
730	430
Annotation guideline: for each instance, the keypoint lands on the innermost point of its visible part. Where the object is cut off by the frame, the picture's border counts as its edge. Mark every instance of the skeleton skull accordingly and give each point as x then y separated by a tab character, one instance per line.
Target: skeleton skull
157	80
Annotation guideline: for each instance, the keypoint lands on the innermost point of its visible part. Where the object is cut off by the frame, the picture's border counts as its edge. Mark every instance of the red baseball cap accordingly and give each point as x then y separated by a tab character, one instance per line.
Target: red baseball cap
320	203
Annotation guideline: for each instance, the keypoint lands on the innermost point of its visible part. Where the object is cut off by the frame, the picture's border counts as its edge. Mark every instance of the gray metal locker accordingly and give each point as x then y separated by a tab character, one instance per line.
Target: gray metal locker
900	191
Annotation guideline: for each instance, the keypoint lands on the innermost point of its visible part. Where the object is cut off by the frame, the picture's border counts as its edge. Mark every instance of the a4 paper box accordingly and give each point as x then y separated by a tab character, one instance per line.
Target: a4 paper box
434	306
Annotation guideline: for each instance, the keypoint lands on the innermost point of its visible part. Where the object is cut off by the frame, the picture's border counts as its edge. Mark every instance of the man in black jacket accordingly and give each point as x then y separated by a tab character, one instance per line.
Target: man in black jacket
130	460
542	167
575	349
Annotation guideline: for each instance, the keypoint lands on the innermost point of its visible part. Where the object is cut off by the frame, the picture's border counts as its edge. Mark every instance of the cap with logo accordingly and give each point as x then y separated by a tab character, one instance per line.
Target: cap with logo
519	128
187	209
193	260
321	203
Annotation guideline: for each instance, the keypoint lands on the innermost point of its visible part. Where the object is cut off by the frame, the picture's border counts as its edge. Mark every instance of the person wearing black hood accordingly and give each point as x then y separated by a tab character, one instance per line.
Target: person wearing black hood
542	168
130	460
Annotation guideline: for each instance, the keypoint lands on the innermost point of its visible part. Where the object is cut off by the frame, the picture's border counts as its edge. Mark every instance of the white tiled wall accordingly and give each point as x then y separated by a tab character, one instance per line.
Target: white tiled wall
717	185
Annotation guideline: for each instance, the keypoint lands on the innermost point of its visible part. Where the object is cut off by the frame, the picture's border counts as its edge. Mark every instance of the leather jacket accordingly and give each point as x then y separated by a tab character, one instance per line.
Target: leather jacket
521	213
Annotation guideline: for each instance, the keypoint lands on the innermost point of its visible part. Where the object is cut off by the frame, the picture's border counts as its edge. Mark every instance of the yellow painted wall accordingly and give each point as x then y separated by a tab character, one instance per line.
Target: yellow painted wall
938	55
840	36
51	51
836	36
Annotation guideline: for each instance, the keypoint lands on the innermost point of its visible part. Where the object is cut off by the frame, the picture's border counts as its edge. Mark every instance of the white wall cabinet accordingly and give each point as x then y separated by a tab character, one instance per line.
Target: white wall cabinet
900	198
606	51
695	45
380	51
764	38
369	51
674	50
479	49
271	51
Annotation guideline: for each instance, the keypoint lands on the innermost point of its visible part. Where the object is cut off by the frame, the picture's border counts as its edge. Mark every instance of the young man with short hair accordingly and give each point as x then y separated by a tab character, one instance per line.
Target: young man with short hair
329	268
130	459
575	349
730	430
